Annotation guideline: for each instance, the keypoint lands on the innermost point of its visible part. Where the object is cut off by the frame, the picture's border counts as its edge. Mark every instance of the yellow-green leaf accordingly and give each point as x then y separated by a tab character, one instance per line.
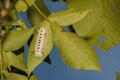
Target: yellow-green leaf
117	76
68	17
15	39
14	60
7	74
33	77
42	43
34	16
30	2
21	57
21	6
14	76
103	20
75	51
18	77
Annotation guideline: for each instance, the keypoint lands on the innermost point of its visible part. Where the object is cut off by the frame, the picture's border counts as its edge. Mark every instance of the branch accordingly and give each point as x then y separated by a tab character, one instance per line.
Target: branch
3	14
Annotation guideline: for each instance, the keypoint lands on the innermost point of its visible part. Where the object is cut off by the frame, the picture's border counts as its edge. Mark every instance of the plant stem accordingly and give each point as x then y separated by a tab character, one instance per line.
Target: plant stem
4	12
40	11
52	23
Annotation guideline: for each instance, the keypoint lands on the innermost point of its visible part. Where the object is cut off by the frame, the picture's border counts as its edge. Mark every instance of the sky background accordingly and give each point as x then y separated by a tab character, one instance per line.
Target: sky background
109	62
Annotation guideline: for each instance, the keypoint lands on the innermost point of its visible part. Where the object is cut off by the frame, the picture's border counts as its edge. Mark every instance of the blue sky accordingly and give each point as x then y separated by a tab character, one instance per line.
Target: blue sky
109	61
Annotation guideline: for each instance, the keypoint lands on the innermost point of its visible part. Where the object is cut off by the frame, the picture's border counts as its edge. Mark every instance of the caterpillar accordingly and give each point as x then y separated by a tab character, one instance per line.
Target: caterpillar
40	41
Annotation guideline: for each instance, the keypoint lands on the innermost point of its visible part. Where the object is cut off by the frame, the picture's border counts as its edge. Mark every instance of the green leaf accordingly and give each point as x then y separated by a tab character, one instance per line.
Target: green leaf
14	60
9	21
12	13
33	77
15	39
34	16
103	20
45	46
18	77
68	17
117	76
75	51
30	2
21	6
7	74
21	57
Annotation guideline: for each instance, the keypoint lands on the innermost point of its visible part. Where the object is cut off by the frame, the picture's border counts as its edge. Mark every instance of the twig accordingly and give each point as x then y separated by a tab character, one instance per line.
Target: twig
4	12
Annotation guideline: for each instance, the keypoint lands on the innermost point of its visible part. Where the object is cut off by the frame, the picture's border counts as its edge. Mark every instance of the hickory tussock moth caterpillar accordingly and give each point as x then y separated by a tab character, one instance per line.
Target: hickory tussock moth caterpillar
39	44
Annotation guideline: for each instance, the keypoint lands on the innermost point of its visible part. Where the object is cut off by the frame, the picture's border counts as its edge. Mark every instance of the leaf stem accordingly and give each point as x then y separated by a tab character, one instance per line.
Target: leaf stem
40	11
4	12
52	23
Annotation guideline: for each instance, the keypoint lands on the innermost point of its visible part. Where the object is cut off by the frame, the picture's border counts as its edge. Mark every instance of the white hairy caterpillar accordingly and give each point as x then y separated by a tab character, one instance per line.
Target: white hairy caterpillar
40	45
40	41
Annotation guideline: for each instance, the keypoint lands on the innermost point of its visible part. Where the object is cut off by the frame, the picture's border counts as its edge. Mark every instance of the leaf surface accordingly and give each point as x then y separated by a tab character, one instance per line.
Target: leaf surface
33	77
35	18
30	2
21	6
103	21
75	51
15	39
117	76
68	17
11	76
14	61
18	76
